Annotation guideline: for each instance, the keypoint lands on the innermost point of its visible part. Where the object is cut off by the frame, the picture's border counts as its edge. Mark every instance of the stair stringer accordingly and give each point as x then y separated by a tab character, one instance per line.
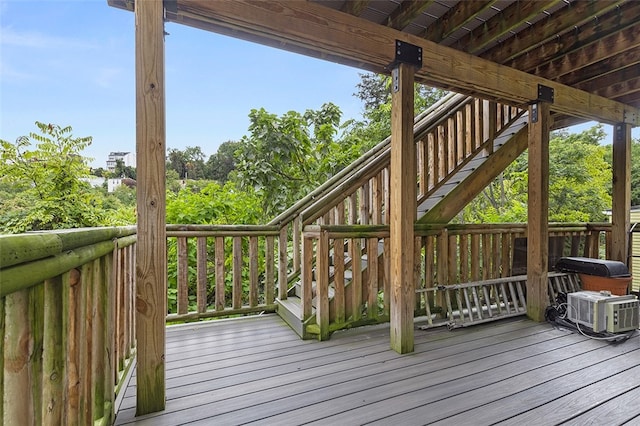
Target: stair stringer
462	187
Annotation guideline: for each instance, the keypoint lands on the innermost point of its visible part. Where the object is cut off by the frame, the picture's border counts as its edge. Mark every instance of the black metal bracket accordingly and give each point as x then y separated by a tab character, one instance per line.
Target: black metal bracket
406	53
545	94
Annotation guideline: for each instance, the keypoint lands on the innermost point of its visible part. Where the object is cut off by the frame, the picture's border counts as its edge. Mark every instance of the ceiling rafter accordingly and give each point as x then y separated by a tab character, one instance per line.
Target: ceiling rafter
406	12
600	50
454	19
355	7
503	22
572	15
616	20
627	58
612	87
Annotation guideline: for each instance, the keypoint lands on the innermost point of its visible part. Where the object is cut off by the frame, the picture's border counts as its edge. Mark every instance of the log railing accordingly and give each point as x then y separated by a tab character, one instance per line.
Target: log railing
342	289
67	335
223	270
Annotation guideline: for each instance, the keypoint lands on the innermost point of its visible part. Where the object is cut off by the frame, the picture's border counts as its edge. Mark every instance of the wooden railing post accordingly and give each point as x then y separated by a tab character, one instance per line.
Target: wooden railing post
322	284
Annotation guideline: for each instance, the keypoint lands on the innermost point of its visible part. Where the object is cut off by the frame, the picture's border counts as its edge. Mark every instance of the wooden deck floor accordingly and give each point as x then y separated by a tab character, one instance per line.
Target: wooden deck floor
513	372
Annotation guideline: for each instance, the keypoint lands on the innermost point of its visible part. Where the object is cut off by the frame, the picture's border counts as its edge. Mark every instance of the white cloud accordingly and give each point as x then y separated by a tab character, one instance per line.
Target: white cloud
37	40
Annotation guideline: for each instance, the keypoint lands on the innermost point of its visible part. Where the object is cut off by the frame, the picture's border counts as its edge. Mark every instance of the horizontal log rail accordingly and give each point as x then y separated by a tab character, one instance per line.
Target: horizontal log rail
338	291
67	335
223	270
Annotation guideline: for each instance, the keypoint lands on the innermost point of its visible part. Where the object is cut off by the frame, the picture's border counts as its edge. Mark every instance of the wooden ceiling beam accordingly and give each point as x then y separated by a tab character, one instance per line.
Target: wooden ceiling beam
616	20
598	51
355	7
597	85
318	31
505	21
628	58
572	15
454	19
406	12
621	88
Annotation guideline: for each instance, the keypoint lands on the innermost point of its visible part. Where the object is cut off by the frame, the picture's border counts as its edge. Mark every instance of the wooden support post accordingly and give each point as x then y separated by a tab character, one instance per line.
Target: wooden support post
403	208
151	268
621	202
538	211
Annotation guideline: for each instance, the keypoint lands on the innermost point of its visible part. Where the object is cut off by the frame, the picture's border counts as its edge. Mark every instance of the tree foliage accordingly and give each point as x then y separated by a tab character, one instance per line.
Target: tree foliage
45	182
285	157
579	184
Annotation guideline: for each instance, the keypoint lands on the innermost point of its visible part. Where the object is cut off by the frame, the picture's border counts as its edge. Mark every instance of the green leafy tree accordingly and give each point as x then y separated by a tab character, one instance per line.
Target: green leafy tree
223	162
285	157
45	181
579	184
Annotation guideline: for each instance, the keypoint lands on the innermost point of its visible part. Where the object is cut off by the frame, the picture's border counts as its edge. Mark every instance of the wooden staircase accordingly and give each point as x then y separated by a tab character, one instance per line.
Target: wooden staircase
459	140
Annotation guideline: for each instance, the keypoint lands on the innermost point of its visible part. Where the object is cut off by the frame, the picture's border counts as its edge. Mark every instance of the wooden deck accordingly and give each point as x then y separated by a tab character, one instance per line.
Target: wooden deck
515	372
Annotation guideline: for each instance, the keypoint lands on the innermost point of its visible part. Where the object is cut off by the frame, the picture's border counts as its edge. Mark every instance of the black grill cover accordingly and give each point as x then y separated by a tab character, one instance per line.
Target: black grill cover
597	267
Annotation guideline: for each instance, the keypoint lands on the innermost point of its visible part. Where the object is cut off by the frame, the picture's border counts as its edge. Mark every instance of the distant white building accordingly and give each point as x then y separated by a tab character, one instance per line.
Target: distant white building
127	158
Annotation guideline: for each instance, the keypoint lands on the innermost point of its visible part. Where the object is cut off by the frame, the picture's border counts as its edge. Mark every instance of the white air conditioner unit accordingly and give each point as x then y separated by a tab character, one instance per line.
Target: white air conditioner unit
604	312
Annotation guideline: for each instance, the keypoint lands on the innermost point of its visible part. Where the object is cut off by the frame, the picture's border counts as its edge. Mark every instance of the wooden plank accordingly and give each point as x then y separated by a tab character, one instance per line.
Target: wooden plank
17	382
2	352
322	287
538	209
326	364
338	280
151	267
282	264
98	368
201	265
307	276
238	262
269	293
355	288
621	193
73	336
220	274
372	274
253	271
403	210
183	276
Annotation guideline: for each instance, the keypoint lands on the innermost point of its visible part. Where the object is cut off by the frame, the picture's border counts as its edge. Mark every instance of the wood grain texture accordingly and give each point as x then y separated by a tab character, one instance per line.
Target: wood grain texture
402	210
621	193
151	268
538	212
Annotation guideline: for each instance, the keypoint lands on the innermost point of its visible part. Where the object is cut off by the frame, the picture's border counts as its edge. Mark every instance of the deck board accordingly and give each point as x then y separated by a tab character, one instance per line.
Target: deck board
258	370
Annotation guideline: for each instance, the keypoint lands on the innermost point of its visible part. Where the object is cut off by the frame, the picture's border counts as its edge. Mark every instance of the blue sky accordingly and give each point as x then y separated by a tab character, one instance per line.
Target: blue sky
72	63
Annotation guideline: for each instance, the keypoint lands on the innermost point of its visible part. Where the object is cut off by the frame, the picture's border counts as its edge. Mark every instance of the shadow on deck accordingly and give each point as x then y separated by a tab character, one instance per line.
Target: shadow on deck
509	372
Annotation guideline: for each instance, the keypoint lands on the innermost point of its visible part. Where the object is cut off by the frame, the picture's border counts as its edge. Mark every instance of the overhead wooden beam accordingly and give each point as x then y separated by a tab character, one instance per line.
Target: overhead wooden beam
355	7
621	199
403	209
312	29
573	15
151	249
454	19
406	12
616	20
629	58
598	51
503	22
